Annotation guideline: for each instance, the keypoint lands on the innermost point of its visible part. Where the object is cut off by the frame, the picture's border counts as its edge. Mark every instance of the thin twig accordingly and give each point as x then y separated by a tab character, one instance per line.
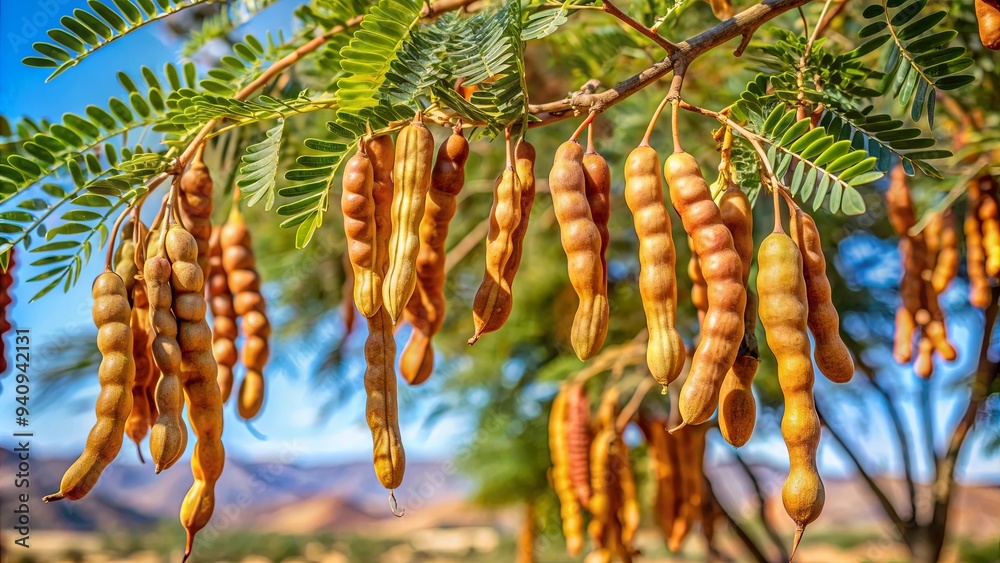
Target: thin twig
669	47
737	528
632	405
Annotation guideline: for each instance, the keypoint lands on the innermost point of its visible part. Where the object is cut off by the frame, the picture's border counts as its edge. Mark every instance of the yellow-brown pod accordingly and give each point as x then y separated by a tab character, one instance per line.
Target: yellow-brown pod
903	335
629	511
980	293
691	455
832	356
581	242
946	267
116	373
125	265
559	475
699	289
224	329
383	157
411	176
664	462
417	361
605	496
201	388
382	411
923	365
989	221
783	312
737	407
168	436
141	417
504	218
358	206
723	328
447	180
665	351
524	162
578	441
194	202
988	16
597	176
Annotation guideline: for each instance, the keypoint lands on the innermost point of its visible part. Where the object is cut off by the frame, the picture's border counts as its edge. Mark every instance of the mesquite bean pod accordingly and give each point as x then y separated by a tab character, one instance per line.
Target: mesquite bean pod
382	411
690	444
358	206
560	476
504	218
224	329
141	417
383	157
111	315
417	361
194	202
201	388
988	18
665	351
832	356
980	294
239	263
664	469
597	177
412	177
699	289
578	441
783	312
125	265
946	267
989	221
581	241
168	437
723	327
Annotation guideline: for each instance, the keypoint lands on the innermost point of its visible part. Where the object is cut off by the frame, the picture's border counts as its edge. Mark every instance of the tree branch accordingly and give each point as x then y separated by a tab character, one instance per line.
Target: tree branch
742	24
762	507
887	506
655	37
737	528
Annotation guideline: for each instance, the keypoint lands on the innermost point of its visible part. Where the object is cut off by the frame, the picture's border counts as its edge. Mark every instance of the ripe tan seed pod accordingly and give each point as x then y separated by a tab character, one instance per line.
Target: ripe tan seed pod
224	329
946	267
358	206
412	177
581	241
783	312
723	327
141	417
559	449
665	352
980	294
111	315
194	204
597	176
381	408
832	356
988	18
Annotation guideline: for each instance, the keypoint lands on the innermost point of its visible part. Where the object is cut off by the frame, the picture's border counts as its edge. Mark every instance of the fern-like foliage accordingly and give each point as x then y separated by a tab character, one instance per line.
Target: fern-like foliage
546	21
329	14
256	177
918	62
219	26
87	31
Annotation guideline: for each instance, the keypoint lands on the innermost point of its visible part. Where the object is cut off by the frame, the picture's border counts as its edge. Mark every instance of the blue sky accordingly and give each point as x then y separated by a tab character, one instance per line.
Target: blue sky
292	407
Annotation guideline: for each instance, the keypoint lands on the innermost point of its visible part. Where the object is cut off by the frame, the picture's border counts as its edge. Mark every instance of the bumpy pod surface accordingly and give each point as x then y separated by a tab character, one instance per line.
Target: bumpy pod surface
6	299
699	289
111	314
201	389
125	265
504	218
946	267
783	312
168	437
224	329
597	176
665	351
416	364
358	205
988	17
447	180
382	411
524	165
559	451
194	203
581	242
989	221
606	498
722	329
244	282
832	356
411	175
141	417
980	294
383	157
578	441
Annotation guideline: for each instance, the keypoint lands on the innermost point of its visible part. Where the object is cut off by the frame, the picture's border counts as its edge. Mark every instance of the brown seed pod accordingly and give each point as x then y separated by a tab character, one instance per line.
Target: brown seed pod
358	206
224	330
504	218
524	163
447	180
699	289
988	16
578	441
605	498
737	408
899	203
560	476
783	312
665	352
597	177
412	177
383	157
923	365
125	265
691	455
141	417
199	372
903	336
417	361
111	315
194	202
664	469
832	356
722	329
581	241
381	408
980	293
989	223
168	436
946	266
